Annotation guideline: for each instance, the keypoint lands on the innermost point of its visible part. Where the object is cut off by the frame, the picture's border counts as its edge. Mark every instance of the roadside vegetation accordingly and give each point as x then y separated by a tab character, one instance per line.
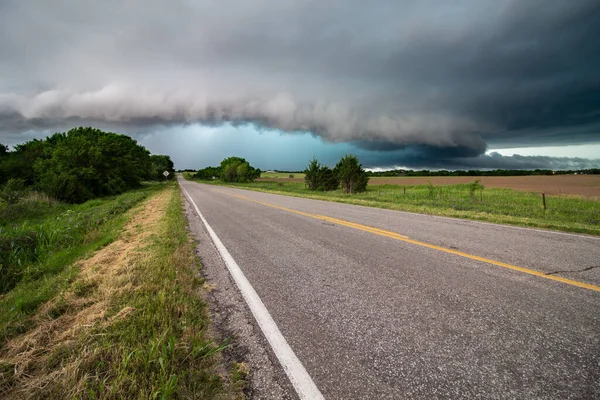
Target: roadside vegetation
125	321
100	292
81	164
469	201
348	173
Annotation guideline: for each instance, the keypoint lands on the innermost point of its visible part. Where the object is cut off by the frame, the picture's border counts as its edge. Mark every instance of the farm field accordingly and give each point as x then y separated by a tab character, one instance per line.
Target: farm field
282	175
579	185
571	203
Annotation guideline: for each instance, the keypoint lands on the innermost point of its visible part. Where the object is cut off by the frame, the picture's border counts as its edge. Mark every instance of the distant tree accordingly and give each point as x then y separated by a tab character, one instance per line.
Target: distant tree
351	175
327	179
158	164
311	174
3	150
237	169
208	173
320	177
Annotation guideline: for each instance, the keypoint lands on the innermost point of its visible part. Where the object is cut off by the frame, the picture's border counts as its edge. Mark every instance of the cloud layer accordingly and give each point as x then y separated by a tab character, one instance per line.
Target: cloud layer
441	80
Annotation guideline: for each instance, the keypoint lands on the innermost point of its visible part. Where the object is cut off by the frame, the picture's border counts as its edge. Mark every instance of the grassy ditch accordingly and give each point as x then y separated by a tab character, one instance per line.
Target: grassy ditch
125	322
39	240
504	206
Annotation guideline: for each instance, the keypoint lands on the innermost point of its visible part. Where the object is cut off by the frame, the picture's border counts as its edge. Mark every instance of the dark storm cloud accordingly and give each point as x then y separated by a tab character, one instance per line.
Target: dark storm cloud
424	159
441	79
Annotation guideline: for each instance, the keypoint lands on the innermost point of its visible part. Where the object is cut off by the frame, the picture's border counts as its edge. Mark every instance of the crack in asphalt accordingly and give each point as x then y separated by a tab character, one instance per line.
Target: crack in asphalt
577	270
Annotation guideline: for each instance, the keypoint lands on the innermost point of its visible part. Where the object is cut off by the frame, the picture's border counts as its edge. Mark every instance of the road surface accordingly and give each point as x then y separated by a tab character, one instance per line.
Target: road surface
380	304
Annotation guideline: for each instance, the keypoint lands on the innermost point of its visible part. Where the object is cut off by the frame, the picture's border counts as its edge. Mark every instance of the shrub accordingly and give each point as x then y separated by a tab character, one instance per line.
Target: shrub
311	174
13	190
237	169
475	186
351	175
431	190
85	163
320	177
208	173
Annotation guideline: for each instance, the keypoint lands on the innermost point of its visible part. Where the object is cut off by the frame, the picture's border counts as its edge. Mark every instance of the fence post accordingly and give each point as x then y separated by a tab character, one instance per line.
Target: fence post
544	200
404	187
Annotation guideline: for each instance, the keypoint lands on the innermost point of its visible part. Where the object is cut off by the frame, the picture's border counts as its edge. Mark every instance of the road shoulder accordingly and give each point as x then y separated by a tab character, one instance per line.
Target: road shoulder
231	318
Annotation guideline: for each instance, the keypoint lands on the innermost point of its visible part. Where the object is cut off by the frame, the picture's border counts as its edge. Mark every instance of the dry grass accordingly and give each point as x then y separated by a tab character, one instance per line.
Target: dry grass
64	319
89	340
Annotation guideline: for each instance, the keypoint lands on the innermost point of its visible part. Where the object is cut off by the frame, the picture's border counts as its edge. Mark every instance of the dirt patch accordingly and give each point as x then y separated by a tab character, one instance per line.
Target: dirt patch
51	351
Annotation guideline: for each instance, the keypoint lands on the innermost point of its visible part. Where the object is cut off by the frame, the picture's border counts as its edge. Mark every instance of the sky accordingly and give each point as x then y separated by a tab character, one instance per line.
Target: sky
416	84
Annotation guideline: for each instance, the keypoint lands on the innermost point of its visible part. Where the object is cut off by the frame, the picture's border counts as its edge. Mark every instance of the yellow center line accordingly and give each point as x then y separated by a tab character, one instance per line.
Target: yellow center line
397	236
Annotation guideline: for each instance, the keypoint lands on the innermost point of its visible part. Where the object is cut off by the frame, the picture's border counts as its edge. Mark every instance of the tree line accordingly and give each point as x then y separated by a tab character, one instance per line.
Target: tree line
347	173
495	172
80	164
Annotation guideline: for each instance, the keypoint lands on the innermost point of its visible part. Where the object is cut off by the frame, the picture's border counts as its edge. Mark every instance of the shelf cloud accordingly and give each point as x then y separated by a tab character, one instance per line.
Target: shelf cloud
427	79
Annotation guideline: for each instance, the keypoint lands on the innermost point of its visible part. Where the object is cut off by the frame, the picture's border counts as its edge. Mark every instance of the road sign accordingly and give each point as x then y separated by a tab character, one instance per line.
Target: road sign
166	173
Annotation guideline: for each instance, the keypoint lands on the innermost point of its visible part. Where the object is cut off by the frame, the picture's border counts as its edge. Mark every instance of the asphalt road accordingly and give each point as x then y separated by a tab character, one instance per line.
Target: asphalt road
375	316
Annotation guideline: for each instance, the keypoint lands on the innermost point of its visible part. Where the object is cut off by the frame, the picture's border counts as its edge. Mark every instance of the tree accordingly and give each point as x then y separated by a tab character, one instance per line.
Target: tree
320	177
208	173
311	174
237	169
85	163
158	165
351	175
19	163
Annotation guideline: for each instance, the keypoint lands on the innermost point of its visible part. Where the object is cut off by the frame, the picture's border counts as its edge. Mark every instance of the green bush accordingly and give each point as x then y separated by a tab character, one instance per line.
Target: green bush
13	190
351	175
85	163
320	177
237	169
81	164
208	173
475	186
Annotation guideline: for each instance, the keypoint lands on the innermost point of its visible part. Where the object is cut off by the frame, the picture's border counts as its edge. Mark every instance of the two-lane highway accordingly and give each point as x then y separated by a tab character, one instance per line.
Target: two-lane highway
381	304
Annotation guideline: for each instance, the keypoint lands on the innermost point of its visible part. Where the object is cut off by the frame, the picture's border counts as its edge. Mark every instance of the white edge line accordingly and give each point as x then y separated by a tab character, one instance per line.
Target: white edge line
301	380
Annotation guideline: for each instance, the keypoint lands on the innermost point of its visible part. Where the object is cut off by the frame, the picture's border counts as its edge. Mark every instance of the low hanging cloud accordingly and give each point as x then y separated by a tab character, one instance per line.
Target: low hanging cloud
493	160
438	80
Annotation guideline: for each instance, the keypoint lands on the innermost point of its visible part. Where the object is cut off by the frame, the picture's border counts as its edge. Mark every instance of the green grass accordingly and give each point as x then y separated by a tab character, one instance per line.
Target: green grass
152	342
281	175
162	349
40	241
504	206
